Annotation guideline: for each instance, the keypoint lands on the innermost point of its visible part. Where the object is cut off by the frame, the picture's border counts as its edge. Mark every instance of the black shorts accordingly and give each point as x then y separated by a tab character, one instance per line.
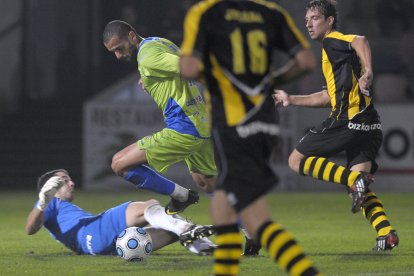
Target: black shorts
244	171
360	140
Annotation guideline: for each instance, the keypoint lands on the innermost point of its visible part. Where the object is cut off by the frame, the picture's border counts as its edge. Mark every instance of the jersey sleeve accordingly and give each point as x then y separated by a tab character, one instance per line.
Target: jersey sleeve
48	212
291	38
349	37
195	35
339	41
155	62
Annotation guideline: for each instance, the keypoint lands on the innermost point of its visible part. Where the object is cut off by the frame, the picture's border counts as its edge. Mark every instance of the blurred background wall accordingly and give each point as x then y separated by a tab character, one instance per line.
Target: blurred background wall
52	62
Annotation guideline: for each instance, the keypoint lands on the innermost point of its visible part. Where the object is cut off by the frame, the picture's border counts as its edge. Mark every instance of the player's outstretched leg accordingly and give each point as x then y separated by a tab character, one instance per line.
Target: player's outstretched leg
374	212
284	249
323	169
196	241
147	178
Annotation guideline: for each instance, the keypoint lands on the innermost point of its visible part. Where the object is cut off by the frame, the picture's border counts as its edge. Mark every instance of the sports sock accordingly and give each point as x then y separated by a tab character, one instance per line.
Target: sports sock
155	215
180	193
374	212
146	178
284	250
323	169
229	249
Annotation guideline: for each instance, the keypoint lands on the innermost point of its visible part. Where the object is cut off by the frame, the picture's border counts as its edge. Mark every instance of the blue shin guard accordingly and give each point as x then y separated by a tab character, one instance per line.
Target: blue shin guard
146	178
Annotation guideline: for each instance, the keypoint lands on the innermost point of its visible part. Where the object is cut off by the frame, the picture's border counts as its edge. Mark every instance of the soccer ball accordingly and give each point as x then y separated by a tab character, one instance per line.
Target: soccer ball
134	244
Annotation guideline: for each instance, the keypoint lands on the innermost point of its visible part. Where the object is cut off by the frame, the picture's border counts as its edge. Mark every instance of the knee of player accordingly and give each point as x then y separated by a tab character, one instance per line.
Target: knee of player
116	166
152	202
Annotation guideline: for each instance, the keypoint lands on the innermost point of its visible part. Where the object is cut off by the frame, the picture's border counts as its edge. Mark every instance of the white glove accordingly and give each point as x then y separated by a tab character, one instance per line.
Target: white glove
49	190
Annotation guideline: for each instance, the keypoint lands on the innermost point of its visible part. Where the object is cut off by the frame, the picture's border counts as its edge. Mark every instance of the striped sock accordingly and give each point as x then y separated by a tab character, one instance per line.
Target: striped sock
284	250
228	252
323	169
374	212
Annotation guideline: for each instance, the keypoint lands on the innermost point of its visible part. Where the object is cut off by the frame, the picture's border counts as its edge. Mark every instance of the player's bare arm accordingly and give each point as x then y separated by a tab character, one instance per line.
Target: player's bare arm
34	221
317	99
48	191
303	62
361	46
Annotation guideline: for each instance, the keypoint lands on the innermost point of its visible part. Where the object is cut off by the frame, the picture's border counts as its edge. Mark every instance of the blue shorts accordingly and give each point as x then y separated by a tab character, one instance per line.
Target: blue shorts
98	236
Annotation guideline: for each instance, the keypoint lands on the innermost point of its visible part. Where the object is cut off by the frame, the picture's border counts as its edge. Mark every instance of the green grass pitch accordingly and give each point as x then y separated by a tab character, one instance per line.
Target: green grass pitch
338	241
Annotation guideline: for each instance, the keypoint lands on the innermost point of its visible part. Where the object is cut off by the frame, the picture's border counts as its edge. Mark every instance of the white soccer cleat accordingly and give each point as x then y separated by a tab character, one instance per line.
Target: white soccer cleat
202	247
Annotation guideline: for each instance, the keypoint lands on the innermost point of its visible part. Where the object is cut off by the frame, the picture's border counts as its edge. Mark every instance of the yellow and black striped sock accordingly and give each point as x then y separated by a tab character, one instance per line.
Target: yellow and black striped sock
229	249
284	250
374	212
323	169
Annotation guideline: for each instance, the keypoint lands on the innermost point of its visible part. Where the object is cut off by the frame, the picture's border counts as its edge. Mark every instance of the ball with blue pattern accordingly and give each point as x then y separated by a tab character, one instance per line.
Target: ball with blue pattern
134	244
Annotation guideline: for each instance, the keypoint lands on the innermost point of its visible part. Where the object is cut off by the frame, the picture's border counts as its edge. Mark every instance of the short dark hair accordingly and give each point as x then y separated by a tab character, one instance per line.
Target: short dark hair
116	28
325	7
46	176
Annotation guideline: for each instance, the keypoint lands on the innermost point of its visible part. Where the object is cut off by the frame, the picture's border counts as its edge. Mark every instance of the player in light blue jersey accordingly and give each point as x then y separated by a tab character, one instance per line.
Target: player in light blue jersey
186	136
85	233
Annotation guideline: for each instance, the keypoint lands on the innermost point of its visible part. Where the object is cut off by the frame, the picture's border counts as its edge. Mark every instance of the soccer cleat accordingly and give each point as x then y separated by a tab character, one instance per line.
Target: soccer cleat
387	242
202	247
196	232
175	206
251	248
358	190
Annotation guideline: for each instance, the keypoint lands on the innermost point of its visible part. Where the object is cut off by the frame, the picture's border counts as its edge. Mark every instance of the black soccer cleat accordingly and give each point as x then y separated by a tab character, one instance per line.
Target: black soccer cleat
251	248
387	242
196	232
175	206
358	190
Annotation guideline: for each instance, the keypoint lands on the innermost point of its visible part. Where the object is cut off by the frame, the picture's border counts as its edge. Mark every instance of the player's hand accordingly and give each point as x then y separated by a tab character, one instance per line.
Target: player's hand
281	97
49	190
365	82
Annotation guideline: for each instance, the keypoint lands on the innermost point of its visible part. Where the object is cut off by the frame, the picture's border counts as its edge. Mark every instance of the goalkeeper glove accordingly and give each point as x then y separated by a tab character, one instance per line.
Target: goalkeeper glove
48	191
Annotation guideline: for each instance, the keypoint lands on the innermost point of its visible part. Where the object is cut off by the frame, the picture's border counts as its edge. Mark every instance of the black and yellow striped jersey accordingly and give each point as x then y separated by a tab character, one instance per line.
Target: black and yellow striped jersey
235	41
342	69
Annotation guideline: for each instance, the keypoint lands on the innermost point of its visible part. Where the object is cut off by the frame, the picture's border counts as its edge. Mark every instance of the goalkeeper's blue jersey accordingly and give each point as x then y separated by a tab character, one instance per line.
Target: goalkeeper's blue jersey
84	232
63	220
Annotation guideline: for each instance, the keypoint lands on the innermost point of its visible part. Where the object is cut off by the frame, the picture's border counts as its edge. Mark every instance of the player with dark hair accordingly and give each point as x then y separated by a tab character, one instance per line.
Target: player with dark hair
229	44
85	233
353	125
186	136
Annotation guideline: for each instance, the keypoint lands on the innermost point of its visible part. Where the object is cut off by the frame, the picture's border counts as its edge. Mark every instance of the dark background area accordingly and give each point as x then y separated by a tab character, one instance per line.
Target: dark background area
57	63
52	61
